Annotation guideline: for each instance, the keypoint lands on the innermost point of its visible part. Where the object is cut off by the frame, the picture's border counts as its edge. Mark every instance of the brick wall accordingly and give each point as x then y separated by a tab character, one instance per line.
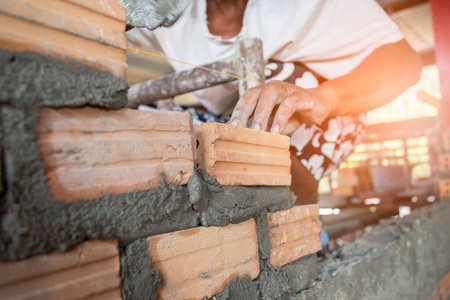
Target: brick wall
88	184
89	269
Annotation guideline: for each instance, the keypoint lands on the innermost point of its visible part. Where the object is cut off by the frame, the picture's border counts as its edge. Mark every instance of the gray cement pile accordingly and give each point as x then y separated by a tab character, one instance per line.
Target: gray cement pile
402	258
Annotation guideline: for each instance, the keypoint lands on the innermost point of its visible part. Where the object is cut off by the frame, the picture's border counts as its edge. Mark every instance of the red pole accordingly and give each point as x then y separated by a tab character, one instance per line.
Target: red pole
440	10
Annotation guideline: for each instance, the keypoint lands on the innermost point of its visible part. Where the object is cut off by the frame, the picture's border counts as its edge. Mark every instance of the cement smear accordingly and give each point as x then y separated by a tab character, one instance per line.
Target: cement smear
273	284
29	80
31	223
222	205
243	288
139	281
289	279
264	244
401	259
154	13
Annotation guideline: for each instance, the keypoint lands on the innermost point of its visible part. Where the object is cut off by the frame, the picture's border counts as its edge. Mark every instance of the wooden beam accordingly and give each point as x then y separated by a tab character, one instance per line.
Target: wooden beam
429	99
440	10
399	130
391	6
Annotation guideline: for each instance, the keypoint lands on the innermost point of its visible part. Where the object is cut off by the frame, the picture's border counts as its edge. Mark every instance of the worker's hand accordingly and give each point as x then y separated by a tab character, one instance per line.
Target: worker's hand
285	100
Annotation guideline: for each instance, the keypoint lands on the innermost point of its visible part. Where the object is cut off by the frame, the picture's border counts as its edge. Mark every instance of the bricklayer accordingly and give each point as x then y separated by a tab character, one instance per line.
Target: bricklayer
293	233
92	33
241	156
88	270
200	262
94	152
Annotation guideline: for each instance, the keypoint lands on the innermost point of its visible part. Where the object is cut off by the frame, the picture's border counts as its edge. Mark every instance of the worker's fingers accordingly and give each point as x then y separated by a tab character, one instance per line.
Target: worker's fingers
292	125
266	103
284	112
245	107
287	108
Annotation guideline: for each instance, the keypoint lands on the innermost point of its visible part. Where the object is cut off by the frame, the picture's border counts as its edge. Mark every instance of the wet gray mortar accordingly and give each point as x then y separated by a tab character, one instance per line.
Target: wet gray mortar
139	281
31	223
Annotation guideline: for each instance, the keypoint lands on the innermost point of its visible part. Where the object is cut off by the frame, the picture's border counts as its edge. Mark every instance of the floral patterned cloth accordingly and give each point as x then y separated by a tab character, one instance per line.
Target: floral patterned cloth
320	148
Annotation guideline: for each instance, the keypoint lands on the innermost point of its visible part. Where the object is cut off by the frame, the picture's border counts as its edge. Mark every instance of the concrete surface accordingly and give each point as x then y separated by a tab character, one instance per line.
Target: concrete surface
402	258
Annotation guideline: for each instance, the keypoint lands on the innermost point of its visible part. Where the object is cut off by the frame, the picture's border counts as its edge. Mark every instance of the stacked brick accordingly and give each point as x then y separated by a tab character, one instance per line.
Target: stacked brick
444	166
82	175
241	156
91	33
444	287
346	183
446	141
444	187
91	152
293	233
200	262
87	270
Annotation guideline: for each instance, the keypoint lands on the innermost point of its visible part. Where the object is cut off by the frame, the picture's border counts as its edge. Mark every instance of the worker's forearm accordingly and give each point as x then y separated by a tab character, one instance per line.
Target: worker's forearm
381	77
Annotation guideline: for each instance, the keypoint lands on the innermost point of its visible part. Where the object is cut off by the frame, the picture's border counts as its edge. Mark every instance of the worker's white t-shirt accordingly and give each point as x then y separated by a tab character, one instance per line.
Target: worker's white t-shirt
330	37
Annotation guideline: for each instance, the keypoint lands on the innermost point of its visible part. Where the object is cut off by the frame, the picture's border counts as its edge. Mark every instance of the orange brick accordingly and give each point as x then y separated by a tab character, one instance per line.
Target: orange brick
90	269
444	287
347	177
298	212
85	22
110	8
343	191
446	141
434	296
444	187
444	162
93	152
241	156
45	26
110	295
293	233
200	262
